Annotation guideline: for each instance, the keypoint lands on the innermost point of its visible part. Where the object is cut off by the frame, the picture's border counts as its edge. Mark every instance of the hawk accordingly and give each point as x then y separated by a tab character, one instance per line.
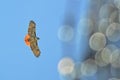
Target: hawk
31	39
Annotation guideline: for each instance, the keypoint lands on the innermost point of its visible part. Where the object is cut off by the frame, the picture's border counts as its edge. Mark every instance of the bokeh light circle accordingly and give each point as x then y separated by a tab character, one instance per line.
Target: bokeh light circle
85	26
107	52
66	66
102	26
65	33
115	58
97	41
113	32
88	68
98	60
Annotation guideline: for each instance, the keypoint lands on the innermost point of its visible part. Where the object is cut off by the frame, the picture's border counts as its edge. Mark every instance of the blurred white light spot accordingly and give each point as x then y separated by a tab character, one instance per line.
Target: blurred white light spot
115	58
85	27
88	68
65	33
66	66
113	32
107	52
117	3
97	41
106	10
103	24
98	59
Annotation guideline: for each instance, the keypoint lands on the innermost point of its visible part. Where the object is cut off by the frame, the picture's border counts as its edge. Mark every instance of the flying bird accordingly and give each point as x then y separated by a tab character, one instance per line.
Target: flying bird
31	39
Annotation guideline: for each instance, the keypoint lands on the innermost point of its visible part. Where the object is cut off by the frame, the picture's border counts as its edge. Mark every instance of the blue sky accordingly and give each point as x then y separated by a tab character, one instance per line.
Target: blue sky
17	61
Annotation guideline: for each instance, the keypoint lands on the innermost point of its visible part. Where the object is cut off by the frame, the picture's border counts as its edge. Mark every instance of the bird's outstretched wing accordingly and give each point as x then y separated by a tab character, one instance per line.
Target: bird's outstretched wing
33	39
34	46
32	29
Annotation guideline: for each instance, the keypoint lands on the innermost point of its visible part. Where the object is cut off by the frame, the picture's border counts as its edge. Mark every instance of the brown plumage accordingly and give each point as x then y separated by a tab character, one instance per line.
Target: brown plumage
33	39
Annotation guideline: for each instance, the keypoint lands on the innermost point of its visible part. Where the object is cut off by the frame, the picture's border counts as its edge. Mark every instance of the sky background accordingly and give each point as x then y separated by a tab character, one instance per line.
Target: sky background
17	61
